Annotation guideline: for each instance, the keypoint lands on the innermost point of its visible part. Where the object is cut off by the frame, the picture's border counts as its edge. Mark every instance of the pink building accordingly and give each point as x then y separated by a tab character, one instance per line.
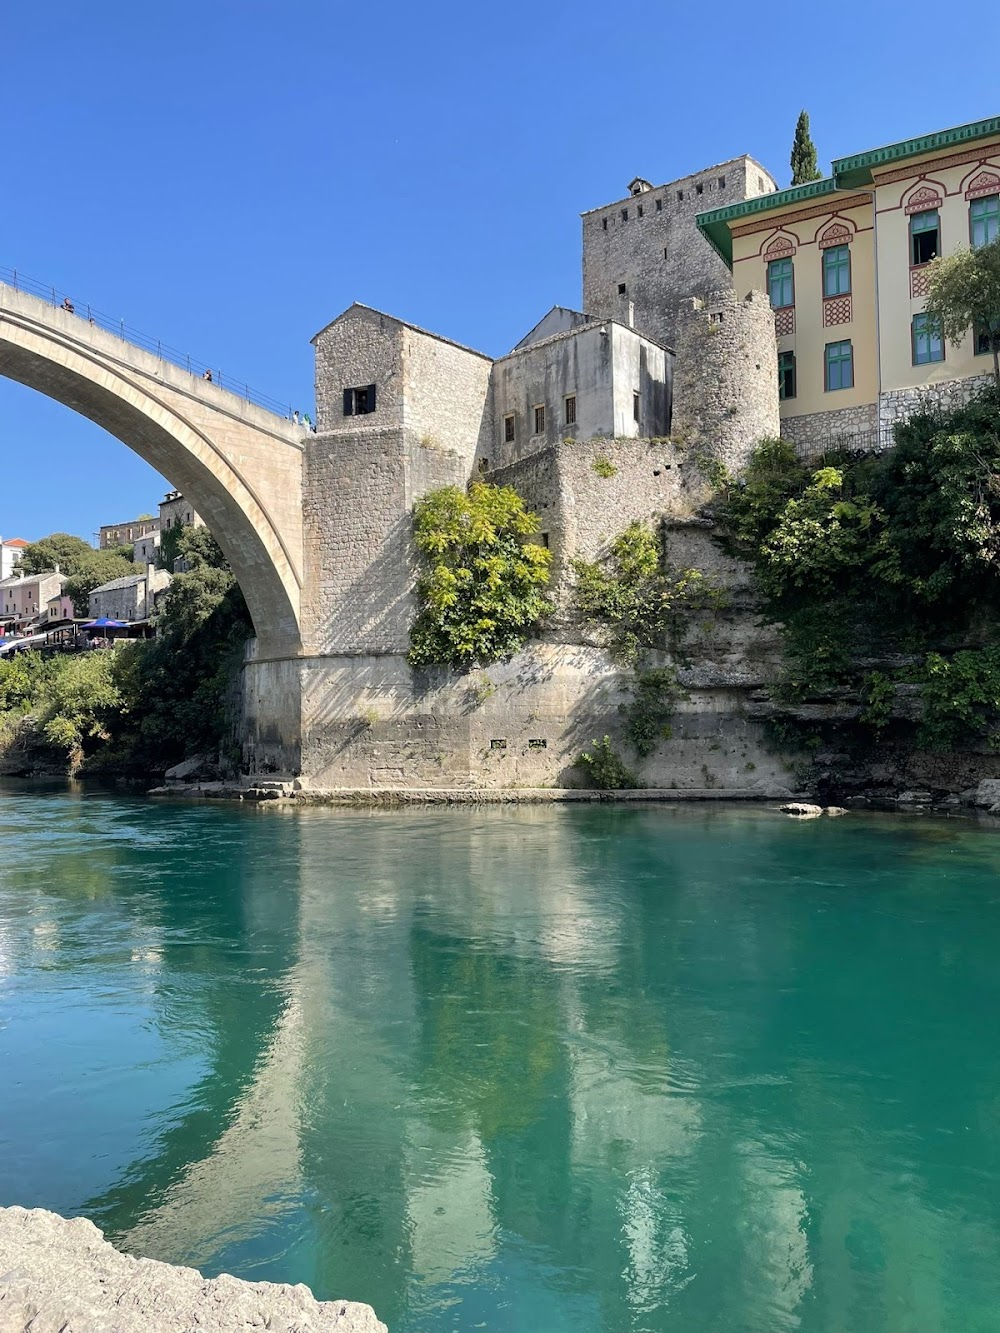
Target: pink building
24	601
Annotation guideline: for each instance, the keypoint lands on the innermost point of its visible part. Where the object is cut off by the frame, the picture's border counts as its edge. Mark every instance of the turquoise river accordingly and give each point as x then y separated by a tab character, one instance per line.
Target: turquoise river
583	1068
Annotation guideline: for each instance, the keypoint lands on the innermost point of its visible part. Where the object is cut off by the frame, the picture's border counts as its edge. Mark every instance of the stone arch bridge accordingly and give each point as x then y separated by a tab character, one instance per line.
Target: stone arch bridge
239	464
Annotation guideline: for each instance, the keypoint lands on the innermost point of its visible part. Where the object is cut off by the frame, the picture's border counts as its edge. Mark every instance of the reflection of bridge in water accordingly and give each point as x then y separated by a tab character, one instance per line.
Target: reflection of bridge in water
414	1045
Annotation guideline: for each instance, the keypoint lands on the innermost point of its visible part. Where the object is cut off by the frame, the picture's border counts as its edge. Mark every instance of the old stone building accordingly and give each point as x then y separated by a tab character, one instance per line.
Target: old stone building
132	597
644	256
598	417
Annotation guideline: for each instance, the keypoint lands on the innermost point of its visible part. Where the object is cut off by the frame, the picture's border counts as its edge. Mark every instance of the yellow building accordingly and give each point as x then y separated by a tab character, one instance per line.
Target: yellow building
844	261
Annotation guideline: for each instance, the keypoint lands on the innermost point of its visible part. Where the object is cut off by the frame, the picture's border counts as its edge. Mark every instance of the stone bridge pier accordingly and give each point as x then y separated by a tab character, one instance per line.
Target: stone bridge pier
240	465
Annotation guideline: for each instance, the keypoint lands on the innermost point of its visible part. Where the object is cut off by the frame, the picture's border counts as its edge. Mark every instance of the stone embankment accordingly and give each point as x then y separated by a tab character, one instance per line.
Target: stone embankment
296	793
60	1276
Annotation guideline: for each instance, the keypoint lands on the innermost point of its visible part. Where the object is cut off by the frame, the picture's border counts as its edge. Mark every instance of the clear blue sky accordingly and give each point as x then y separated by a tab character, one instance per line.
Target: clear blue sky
229	176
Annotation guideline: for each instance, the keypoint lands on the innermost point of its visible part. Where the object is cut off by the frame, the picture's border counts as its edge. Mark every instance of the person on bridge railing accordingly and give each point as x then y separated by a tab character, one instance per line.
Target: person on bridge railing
207	375
68	305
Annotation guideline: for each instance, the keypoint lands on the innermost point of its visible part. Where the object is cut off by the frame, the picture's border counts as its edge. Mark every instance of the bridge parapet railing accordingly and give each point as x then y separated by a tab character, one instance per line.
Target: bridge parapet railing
121	329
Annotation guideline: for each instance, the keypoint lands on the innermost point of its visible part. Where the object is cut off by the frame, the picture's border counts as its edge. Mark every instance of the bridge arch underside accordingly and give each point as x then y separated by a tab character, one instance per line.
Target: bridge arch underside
190	460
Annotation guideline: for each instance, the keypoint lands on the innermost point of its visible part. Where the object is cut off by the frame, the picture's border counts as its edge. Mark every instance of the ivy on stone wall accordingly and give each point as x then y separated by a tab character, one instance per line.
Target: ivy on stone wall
637	598
482	586
642	604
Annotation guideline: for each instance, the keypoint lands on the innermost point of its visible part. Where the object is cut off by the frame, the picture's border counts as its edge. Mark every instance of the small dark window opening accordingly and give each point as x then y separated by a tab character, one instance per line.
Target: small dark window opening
639	210
621	289
604	223
699	188
498	745
659	205
981	340
786	375
722	182
924	237
508	428
624	215
543	538
358	402
571	410
536	743
680	196
664	252
540	420
635	407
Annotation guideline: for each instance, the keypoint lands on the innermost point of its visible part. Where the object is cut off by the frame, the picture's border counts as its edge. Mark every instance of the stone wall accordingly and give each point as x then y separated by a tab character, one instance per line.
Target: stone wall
726	378
446	395
900	404
843	428
373	722
602	366
581	509
650	244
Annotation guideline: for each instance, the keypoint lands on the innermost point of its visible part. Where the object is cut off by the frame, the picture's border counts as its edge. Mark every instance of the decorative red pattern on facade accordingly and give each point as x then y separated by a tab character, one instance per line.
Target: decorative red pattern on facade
987	182
835	234
836	310
784	321
918	281
780	248
937	164
923	200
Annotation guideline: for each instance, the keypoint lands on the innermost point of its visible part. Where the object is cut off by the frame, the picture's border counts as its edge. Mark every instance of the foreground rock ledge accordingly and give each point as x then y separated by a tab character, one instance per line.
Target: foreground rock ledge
59	1276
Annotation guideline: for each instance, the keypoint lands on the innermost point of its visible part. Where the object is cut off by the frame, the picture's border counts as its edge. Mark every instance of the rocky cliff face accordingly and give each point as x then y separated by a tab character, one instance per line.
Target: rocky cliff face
59	1276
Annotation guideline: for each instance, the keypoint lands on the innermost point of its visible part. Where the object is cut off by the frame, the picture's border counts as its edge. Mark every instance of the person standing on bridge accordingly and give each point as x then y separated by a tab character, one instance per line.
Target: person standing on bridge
207	375
68	305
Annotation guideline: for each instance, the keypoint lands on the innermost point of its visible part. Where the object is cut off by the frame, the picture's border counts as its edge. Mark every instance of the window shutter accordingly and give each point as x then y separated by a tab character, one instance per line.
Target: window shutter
371	398
348	402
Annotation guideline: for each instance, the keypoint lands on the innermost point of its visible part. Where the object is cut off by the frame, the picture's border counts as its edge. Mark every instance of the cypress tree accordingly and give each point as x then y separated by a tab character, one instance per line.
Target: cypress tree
803	161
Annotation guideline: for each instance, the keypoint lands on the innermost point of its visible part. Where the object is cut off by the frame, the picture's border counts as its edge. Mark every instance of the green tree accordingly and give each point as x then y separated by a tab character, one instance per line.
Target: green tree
482	590
59	548
963	293
96	568
803	159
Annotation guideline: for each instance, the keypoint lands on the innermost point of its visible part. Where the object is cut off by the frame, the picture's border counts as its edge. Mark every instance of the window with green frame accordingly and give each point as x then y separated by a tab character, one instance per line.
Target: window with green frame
836	271
926	341
839	366
780	283
786	375
982	339
925	237
984	220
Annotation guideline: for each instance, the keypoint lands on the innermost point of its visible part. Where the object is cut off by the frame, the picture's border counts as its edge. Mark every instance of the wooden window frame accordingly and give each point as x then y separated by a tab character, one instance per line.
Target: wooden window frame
509	427
839	361
569	412
923	331
539	418
919	231
984	199
784	397
835	250
785	259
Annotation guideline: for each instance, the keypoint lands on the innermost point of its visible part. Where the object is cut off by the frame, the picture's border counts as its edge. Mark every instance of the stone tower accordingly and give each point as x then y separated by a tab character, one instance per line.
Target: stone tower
644	256
726	378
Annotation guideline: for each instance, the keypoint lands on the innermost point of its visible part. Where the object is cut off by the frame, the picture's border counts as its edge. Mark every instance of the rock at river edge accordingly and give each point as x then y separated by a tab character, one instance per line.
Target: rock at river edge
59	1276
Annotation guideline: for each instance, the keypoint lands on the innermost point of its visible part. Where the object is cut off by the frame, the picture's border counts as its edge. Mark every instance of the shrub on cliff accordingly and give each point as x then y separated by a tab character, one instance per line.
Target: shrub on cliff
636	597
482	588
891	553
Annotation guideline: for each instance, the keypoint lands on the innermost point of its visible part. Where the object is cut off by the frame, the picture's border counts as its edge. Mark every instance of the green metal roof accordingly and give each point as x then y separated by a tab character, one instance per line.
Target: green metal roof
714	225
850	172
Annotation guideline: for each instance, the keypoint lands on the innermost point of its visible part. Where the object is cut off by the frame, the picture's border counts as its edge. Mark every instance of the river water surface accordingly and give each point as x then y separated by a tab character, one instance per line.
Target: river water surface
581	1068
